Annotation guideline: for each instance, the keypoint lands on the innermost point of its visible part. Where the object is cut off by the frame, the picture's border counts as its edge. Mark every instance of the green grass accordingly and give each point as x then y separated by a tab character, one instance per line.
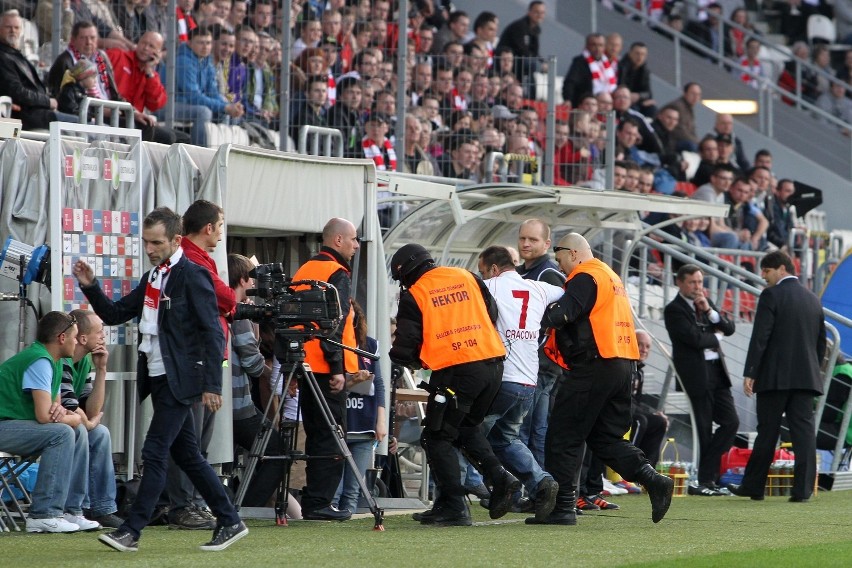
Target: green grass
698	531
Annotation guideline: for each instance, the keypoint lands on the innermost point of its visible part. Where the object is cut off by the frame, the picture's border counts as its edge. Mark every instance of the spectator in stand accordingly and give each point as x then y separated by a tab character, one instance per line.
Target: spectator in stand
708	151
725	144
634	74
79	82
312	111
787	79
261	19
613	48
84	44
763	159
261	92
780	214
836	103
745	218
844	72
522	38
457	28
725	126
485	28
197	96
237	14
822	61
136	78
462	84
309	36
331	23
590	72
663	127
345	115
685	131
135	19
20	80
230	72
159	16
461	161
649	424
44	20
100	13
422	81
736	39
364	66
442	87
416	160
621	103
761	179
185	20
646	180
706	31
619	175
721	236
752	72
453	54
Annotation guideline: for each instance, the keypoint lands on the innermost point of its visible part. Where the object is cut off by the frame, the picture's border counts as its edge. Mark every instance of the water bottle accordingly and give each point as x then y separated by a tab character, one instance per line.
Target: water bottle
435	412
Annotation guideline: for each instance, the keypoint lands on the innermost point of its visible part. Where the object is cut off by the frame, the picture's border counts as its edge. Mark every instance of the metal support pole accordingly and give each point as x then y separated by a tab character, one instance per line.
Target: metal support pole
550	124
284	87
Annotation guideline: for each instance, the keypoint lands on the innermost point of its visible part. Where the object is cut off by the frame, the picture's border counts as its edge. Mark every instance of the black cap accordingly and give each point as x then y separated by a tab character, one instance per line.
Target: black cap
407	259
726	138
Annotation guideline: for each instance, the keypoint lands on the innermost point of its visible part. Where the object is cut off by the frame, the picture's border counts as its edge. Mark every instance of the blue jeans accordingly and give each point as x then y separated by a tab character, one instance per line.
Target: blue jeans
502	427
100	498
348	491
79	472
55	444
534	429
199	115
172	432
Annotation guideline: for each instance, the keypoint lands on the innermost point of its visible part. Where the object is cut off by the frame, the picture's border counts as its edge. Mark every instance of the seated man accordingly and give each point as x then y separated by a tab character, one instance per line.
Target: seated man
33	423
197	96
31	102
86	398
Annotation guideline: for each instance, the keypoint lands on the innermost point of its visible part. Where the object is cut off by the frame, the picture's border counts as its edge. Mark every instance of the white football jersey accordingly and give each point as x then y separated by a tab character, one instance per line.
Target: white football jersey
521	304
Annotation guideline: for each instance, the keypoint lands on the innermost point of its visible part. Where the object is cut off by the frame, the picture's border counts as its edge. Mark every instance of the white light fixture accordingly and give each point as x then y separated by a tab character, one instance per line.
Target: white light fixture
731	106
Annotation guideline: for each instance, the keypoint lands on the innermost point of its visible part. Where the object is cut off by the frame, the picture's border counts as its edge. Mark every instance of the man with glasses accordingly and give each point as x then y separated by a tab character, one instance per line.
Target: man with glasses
330	365
594	335
34	423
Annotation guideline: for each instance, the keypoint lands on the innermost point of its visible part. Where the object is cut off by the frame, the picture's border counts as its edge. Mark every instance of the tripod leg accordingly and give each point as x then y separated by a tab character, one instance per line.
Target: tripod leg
340	438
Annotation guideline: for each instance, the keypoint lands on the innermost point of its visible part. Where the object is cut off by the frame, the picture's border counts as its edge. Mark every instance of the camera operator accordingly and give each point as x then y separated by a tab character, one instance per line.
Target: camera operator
445	323
329	363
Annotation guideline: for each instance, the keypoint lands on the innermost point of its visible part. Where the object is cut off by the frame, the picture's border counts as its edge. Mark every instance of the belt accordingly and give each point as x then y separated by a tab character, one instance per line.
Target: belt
713	361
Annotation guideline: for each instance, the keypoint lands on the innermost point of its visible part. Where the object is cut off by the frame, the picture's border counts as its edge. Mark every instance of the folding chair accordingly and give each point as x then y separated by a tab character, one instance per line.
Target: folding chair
11	469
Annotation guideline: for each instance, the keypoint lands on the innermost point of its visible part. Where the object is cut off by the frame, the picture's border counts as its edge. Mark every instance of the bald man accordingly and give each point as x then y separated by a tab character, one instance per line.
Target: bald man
329	363
595	335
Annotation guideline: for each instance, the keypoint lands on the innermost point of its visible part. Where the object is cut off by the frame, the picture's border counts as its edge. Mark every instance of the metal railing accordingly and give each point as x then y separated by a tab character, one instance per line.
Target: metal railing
328	136
99	105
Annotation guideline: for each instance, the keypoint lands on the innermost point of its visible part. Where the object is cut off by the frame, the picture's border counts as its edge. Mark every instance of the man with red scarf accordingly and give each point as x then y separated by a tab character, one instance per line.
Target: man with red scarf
591	72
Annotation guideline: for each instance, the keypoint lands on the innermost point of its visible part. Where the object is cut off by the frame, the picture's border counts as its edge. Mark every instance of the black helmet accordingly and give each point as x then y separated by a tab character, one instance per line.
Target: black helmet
407	259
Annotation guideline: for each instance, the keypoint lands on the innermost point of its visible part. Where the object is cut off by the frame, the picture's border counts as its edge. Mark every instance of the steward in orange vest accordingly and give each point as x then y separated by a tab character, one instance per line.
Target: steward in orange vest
445	323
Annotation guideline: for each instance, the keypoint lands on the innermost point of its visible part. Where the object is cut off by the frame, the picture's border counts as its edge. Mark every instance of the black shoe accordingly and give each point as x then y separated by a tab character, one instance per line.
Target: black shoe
738	491
450	517
660	489
503	486
329	513
563	513
545	497
120	540
485	503
523	505
223	537
191	519
479	491
797	499
424	517
703	490
109	521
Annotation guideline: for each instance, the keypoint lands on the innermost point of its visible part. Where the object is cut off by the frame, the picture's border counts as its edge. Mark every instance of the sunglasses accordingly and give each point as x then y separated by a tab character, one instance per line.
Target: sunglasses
72	323
557	249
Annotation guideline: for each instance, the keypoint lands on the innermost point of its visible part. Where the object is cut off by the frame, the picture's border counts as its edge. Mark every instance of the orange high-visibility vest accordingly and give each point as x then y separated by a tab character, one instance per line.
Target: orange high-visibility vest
456	326
322	270
611	318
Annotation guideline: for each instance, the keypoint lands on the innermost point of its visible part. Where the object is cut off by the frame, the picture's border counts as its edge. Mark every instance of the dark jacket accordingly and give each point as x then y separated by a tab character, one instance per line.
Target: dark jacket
70	98
690	337
191	339
20	81
637	79
521	36
788	340
348	121
65	62
578	81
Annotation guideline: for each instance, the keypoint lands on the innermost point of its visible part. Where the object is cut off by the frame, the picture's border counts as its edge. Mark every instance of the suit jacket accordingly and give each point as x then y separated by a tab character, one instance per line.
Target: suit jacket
578	81
690	336
191	339
788	340
20	81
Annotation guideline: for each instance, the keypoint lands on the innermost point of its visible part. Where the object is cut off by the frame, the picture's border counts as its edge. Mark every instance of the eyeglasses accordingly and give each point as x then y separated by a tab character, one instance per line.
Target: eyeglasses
557	249
71	324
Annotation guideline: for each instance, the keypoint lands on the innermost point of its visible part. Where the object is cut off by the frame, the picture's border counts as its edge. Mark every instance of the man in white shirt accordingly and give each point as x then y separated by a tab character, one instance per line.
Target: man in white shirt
520	304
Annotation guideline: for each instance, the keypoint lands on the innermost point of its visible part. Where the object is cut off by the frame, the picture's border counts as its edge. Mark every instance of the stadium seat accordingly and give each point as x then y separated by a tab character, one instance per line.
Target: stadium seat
821	29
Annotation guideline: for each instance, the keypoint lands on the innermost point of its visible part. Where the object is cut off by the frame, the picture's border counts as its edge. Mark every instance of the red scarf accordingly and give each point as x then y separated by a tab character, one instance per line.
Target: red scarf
332	90
459	101
756	69
186	23
100	61
603	74
372	151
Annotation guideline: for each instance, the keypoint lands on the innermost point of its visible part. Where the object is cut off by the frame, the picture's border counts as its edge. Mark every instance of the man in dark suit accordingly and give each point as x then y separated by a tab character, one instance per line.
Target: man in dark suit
581	80
695	327
783	368
180	362
31	102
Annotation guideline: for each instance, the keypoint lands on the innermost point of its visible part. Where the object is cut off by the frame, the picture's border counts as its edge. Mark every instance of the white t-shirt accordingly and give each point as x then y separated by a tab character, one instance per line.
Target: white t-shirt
521	304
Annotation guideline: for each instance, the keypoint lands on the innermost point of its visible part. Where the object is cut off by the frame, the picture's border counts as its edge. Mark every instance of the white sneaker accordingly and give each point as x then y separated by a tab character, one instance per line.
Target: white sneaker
613	489
52	525
82	522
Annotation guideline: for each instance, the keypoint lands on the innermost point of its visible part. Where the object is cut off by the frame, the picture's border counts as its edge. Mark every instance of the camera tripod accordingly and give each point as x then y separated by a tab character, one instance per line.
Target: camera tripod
290	353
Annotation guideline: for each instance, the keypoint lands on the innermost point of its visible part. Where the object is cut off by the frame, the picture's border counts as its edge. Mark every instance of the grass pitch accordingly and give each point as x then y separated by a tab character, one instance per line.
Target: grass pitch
697	532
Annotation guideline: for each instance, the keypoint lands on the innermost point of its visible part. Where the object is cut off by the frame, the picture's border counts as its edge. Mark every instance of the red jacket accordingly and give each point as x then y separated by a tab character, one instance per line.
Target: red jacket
137	89
226	300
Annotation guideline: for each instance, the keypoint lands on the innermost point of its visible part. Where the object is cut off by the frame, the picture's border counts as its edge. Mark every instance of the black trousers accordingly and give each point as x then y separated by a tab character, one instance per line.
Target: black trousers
716	404
797	405
322	476
475	384
592	405
648	433
268	474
